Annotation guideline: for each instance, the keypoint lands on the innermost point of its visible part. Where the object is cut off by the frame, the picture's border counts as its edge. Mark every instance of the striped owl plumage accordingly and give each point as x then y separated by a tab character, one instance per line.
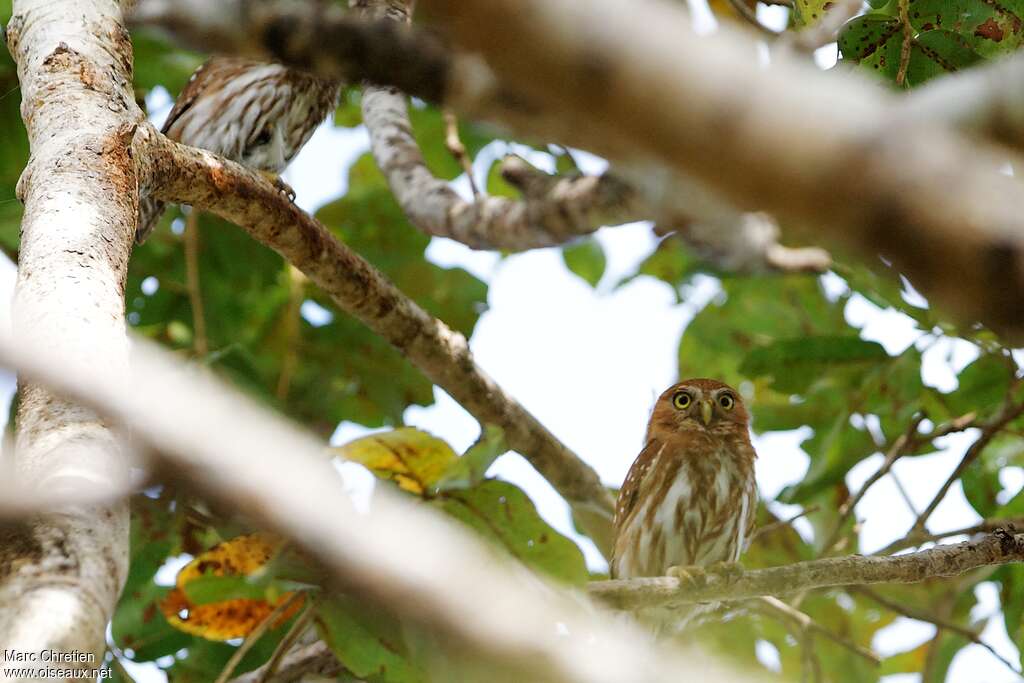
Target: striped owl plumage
690	497
256	113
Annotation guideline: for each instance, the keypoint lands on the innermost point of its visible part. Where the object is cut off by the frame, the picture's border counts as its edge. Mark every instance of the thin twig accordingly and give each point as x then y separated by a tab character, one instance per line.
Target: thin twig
944	624
908	38
903	493
255	635
294	633
896	450
985	526
806	623
195	294
1007	413
458	150
779	523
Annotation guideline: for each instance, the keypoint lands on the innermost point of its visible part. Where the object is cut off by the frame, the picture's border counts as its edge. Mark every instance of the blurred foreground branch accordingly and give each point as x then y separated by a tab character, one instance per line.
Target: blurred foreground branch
251	460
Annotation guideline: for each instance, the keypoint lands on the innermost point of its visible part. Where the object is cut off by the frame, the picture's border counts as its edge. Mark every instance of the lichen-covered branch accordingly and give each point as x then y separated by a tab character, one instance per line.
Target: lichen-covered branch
61	572
999	547
553	210
186	175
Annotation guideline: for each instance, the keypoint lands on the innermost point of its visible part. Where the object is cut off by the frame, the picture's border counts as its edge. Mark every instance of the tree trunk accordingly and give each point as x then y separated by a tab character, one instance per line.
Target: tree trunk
61	574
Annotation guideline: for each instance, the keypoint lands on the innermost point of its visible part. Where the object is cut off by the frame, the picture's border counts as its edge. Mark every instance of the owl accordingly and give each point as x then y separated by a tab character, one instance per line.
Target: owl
256	113
690	497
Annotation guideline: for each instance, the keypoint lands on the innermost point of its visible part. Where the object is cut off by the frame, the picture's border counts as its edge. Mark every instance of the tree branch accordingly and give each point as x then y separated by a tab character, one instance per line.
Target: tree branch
1007	414
983	527
207	182
943	624
781	609
999	547
315	658
61	573
553	210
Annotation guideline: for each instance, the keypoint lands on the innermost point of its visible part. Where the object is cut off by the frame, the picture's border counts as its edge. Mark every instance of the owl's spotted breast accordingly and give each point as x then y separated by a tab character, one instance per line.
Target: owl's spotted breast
686	509
256	113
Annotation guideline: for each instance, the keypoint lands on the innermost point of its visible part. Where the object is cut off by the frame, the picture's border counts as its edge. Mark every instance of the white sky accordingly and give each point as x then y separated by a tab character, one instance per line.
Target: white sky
589	364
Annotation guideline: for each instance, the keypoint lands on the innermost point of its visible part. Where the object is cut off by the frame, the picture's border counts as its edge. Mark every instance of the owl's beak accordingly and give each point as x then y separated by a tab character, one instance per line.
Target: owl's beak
705	411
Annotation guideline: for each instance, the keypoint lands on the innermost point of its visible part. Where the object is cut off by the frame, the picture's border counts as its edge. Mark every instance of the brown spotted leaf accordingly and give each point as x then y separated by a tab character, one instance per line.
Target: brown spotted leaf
413	459
235	617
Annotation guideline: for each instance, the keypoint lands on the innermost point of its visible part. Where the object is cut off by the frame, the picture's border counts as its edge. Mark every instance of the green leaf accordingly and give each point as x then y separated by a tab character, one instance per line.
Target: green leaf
981	479
429	128
833	452
793	364
875	40
586	259
349	113
497	186
369	643
471	466
158	62
671	262
754	312
502	513
982	385
137	624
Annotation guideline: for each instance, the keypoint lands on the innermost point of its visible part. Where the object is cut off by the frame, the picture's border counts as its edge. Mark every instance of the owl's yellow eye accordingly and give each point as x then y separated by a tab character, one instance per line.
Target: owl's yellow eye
681	400
726	401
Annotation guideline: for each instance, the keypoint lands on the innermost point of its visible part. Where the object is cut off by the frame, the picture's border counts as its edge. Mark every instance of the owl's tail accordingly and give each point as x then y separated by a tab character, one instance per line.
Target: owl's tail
150	211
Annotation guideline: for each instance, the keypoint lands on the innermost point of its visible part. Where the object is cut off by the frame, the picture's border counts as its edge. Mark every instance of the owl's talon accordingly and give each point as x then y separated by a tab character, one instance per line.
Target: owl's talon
731	572
282	187
693	577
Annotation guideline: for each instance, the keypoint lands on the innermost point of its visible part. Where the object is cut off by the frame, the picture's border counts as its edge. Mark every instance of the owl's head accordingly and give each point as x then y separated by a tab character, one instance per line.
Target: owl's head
702	405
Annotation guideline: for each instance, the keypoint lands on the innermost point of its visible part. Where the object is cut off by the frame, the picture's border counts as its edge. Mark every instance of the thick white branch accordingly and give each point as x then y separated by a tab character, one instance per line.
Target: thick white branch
61	574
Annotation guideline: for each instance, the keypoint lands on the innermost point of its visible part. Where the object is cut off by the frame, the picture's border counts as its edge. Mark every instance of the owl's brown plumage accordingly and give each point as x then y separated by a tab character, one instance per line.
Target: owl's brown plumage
690	497
256	113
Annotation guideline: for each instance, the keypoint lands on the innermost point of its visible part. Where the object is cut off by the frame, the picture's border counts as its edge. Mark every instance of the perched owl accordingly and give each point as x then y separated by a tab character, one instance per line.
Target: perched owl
690	497
256	113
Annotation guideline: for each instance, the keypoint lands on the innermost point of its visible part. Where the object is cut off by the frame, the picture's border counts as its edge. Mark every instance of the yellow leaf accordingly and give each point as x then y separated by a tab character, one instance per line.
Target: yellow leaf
413	459
233	618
